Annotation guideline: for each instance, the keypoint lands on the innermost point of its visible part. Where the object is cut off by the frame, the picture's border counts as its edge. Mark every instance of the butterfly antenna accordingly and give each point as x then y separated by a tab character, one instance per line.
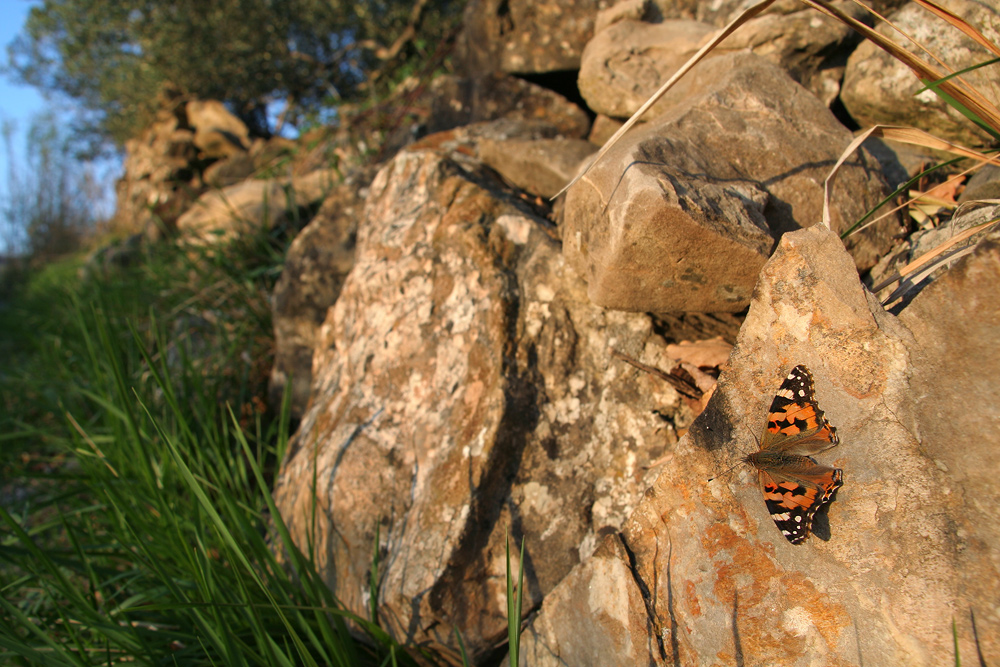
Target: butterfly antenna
726	471
740	462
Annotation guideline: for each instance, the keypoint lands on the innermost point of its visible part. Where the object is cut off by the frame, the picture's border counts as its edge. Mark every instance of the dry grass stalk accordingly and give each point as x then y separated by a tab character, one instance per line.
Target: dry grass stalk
923	266
906	135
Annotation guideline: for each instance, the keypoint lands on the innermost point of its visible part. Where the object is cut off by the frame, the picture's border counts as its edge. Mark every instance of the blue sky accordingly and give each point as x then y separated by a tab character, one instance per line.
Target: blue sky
16	102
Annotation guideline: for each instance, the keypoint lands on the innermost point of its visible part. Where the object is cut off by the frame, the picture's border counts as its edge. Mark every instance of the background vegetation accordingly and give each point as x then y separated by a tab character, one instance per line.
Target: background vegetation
112	57
53	200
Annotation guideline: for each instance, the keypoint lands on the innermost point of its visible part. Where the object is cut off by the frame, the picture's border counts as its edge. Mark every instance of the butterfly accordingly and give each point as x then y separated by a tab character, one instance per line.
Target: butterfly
795	486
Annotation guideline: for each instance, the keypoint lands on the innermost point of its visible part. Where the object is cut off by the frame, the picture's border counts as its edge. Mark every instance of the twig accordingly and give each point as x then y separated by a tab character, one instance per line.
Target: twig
682	386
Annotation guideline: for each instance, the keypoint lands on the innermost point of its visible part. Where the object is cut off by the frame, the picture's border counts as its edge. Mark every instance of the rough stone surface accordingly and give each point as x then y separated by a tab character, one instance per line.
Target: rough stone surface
898	165
954	390
526	36
316	265
229	171
810	46
984	184
468	139
682	213
722	12
541	167
603	128
264	157
603	603
447	103
464	383
457	385
699	575
192	146
627	62
878	89
221	214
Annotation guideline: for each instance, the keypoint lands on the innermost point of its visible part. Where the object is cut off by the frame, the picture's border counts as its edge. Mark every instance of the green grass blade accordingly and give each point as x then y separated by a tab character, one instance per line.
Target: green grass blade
514	601
962	109
461	647
954	636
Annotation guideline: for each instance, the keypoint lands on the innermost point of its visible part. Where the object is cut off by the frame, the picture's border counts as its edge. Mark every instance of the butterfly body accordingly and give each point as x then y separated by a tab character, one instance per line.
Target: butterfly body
794	485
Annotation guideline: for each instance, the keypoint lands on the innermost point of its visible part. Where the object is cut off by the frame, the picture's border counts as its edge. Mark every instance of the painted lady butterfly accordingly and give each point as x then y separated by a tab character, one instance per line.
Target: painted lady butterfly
794	485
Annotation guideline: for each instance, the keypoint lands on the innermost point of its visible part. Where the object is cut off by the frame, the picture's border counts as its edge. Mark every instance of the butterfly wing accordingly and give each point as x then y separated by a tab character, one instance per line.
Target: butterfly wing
795	424
794	493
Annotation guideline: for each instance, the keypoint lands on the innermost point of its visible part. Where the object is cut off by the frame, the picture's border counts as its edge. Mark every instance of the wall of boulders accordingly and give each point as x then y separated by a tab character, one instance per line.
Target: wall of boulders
469	359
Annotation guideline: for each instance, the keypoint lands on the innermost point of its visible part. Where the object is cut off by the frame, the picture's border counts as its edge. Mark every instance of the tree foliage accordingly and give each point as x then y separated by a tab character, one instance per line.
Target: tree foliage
114	56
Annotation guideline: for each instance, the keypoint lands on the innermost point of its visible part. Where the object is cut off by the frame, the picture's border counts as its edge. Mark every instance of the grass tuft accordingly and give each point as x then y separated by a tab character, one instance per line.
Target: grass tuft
137	459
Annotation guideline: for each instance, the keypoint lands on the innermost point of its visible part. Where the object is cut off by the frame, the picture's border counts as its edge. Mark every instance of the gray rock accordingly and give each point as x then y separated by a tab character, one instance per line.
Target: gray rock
603	128
953	408
164	164
897	295
812	47
682	213
541	167
627	62
984	184
271	157
898	164
229	171
699	574
468	139
720	12
625	10
220	215
463	387
217	132
156	185
624	64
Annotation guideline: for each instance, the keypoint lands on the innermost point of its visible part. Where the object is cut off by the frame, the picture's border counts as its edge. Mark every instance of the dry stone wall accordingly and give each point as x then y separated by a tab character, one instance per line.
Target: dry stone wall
469	359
